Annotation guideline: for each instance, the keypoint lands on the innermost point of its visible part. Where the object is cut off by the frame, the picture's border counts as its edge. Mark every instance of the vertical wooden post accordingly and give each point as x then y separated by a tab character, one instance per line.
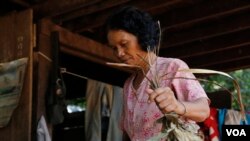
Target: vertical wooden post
16	40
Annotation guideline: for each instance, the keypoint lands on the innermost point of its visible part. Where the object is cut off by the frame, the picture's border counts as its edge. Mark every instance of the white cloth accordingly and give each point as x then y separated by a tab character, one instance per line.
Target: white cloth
232	117
42	130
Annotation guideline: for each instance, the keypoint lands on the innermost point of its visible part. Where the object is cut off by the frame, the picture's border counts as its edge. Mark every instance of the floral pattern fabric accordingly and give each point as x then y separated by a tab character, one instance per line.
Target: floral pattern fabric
140	117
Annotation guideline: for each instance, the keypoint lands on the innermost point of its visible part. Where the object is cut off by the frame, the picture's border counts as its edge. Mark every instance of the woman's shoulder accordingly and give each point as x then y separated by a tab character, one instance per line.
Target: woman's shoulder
171	62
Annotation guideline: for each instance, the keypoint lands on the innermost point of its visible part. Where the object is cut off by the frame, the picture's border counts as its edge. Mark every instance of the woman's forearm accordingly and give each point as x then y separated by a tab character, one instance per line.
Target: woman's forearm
197	110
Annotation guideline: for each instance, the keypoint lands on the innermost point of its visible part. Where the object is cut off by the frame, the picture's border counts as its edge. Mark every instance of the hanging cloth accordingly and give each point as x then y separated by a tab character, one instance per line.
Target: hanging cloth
42	130
212	124
103	100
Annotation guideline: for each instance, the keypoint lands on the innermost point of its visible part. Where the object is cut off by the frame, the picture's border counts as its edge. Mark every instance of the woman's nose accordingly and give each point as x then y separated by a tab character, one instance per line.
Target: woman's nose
120	52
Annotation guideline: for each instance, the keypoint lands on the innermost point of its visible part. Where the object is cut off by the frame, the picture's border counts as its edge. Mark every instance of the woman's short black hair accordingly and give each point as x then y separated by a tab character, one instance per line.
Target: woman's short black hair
136	22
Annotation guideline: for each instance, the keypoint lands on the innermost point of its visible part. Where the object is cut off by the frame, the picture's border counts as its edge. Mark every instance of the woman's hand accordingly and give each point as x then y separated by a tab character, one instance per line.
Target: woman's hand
166	101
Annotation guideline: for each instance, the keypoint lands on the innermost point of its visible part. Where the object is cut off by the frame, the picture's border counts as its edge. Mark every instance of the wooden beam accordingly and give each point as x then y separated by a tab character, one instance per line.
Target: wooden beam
232	65
97	19
212	29
201	47
21	2
16	42
51	8
219	57
94	70
80	12
204	11
75	44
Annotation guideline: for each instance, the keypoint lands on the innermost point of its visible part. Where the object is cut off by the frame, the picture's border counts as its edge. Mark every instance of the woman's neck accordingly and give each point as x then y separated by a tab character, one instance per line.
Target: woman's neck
145	65
147	61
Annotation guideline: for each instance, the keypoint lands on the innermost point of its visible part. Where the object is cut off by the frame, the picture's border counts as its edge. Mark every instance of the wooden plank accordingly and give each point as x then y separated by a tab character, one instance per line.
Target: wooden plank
204	31
231	65
94	70
42	69
219	57
75	44
91	55
201	47
175	20
56	7
204	11
22	3
41	78
102	5
16	42
97	19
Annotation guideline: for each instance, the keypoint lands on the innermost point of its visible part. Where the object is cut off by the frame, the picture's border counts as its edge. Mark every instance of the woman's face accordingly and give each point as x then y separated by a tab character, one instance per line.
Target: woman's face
126	46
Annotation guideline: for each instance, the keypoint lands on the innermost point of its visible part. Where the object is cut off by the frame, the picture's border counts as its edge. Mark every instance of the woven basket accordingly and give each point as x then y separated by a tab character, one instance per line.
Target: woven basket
11	84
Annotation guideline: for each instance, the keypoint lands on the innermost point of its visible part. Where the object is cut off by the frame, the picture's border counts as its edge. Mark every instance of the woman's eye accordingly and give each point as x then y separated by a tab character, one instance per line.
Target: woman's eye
124	45
114	49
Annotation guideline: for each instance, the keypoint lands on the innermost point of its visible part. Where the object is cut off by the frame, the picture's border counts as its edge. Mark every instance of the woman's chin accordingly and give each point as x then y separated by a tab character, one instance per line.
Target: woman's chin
129	63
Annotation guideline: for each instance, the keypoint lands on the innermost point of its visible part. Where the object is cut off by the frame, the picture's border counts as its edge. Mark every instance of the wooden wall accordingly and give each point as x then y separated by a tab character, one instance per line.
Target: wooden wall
16	41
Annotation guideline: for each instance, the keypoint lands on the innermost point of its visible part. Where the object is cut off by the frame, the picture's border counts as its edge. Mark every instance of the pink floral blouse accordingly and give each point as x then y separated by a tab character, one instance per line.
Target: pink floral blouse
139	119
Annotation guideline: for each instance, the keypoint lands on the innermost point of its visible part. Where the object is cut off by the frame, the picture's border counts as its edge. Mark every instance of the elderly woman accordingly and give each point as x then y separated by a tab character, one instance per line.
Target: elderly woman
134	35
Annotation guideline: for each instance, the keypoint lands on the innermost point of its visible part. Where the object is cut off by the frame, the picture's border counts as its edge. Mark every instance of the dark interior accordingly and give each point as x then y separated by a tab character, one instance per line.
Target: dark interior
205	34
